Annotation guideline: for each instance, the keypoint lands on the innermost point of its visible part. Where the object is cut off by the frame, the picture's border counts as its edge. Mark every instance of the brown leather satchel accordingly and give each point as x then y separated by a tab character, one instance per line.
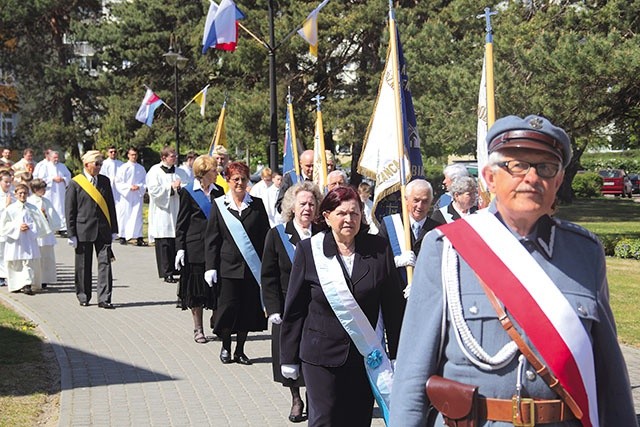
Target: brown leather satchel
457	402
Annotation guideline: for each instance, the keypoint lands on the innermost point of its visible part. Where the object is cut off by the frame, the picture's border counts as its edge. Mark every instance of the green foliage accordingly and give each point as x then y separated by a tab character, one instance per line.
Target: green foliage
587	185
629	160
628	248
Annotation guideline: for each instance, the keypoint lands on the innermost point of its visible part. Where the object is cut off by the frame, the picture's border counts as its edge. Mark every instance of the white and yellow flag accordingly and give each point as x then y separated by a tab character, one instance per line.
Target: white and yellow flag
309	30
201	99
379	159
482	153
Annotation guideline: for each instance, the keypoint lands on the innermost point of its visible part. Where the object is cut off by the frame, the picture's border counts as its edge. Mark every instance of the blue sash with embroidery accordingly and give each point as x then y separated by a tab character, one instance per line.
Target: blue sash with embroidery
242	241
369	342
288	246
395	231
200	198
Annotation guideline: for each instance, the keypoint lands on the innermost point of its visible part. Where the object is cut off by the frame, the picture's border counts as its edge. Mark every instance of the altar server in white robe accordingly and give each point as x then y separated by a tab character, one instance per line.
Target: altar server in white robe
110	166
6	198
47	242
131	186
163	183
22	224
57	177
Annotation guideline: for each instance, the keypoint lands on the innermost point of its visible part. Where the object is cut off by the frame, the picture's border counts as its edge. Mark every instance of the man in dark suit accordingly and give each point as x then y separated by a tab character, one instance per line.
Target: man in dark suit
91	223
418	198
290	178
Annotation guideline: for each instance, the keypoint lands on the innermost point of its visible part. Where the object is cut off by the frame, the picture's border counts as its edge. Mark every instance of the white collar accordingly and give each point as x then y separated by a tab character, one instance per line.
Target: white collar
231	204
304	233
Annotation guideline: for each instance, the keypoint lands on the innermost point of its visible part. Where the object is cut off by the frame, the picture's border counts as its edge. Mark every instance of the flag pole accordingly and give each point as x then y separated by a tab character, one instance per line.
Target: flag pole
216	134
292	131
400	131
490	107
322	174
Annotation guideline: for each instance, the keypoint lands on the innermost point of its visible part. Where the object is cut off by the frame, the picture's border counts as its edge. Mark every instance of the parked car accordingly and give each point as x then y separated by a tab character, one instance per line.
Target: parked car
616	182
635	182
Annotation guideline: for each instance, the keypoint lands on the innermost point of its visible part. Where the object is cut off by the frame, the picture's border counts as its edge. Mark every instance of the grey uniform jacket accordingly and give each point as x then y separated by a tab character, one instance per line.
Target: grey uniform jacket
573	258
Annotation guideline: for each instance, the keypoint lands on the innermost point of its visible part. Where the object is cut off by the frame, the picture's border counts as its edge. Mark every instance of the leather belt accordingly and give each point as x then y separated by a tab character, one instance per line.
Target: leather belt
524	412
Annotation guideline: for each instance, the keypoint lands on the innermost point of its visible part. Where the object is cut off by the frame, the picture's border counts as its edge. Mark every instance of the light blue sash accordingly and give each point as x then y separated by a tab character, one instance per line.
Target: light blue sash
285	241
200	198
395	231
242	241
370	343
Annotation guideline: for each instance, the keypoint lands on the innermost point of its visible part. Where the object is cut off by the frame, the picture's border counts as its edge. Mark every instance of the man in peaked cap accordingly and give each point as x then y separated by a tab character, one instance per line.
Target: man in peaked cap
91	223
519	304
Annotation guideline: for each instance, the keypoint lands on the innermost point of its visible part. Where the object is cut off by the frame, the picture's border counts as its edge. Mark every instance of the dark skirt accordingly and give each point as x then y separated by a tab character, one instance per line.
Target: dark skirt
239	306
275	361
194	290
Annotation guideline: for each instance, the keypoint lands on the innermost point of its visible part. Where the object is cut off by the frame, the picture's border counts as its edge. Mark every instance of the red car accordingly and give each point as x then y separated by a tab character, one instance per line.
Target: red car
616	182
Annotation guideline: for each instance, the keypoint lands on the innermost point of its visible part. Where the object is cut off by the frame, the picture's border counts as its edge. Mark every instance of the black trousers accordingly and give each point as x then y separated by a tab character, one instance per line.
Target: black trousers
165	256
339	397
84	261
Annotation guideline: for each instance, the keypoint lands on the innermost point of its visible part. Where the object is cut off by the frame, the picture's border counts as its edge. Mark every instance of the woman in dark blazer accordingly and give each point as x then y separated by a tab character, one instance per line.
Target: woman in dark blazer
465	195
299	207
311	335
236	220
195	207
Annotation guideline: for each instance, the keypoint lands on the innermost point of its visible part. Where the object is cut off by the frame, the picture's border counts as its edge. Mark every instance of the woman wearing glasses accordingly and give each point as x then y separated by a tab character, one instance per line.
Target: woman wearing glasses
234	242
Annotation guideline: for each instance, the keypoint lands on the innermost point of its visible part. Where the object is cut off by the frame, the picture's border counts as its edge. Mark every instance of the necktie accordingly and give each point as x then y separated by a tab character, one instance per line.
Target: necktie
171	169
416	229
94	181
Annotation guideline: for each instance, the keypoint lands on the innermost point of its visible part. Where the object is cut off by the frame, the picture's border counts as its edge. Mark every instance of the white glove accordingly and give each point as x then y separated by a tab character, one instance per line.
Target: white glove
179	263
290	371
275	318
114	236
407	291
405	258
210	276
73	242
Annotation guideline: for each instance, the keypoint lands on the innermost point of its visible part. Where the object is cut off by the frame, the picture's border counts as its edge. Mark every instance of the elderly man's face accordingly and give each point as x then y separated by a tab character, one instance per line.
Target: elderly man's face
55	158
221	159
335	181
524	197
418	203
306	164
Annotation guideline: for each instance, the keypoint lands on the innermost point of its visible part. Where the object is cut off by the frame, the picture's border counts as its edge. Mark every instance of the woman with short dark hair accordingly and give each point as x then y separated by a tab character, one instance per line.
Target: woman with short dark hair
341	276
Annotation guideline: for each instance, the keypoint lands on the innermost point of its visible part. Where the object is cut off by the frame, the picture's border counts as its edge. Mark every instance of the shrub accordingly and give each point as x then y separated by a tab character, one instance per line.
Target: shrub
587	185
628	248
609	243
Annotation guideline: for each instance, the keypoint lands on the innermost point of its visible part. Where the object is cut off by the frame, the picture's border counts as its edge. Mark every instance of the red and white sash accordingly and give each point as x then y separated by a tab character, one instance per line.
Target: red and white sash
534	301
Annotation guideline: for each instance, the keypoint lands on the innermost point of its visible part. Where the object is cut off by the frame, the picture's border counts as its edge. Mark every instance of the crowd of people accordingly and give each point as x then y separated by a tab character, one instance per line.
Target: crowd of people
466	316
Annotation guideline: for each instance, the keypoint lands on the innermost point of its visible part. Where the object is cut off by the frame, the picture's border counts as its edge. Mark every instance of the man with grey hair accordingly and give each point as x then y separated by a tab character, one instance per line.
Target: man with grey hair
418	198
510	307
290	178
450	172
336	178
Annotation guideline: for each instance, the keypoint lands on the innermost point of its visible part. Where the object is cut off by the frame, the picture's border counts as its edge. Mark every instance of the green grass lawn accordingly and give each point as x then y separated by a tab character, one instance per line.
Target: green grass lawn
615	217
28	373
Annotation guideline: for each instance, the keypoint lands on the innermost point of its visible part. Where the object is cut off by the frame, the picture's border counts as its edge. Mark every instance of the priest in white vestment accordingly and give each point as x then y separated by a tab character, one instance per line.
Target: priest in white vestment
22	223
110	166
47	242
131	186
6	198
164	180
57	177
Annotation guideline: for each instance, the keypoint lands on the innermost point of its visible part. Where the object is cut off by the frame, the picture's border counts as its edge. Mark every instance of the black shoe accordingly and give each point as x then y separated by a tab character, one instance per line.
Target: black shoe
44	286
169	279
63	234
106	305
297	414
123	241
225	356
27	290
242	359
84	304
141	242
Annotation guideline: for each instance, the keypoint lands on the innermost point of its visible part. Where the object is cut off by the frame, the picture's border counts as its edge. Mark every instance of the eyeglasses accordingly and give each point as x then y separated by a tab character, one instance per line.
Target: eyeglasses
239	179
519	168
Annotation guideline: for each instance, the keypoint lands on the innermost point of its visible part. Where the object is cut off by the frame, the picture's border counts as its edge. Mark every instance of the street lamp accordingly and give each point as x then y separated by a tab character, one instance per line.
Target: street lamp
178	62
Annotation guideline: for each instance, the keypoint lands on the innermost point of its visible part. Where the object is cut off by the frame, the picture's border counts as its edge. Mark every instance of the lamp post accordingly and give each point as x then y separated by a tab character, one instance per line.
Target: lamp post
178	62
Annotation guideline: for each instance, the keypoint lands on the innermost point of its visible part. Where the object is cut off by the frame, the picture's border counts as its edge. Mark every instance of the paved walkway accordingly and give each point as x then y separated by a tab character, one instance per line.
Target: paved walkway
138	365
